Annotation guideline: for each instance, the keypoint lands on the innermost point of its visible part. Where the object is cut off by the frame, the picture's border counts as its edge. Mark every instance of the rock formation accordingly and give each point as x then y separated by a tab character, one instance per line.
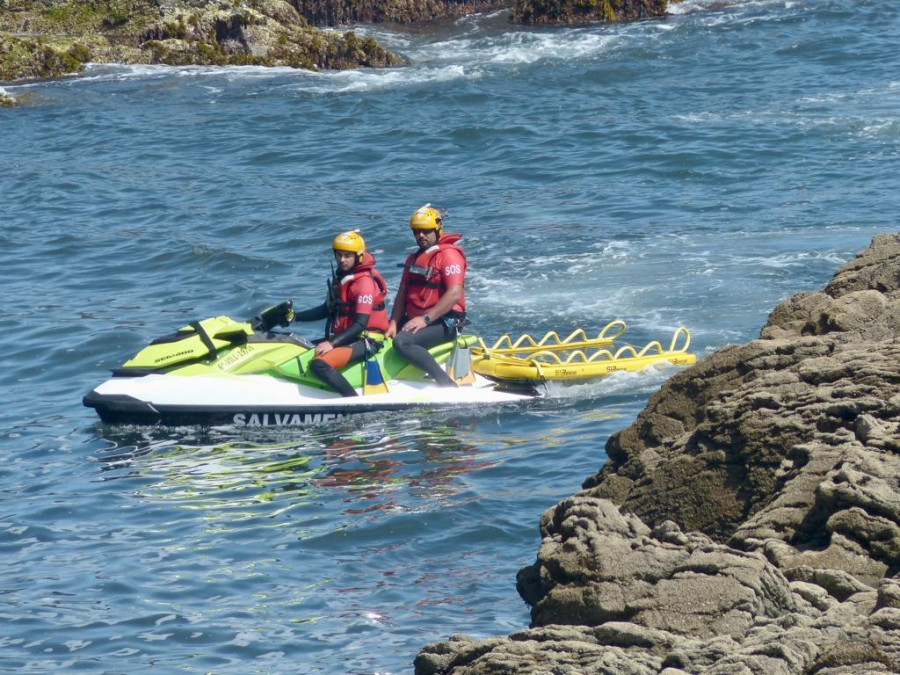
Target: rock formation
52	38
586	11
747	522
59	37
343	12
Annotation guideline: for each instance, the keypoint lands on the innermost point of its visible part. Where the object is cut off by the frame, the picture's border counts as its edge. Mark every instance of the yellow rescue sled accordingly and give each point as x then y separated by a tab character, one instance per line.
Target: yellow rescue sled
575	357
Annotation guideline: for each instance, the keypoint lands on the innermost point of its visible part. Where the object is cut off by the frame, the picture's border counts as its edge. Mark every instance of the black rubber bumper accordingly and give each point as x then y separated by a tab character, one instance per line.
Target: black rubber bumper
121	409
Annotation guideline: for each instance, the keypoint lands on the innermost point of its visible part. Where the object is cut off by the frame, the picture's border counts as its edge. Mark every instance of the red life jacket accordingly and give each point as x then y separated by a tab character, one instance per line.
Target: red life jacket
343	292
424	282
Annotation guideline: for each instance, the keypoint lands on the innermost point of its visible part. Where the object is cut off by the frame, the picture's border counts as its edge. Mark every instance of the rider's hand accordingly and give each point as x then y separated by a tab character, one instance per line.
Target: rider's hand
323	348
415	324
392	329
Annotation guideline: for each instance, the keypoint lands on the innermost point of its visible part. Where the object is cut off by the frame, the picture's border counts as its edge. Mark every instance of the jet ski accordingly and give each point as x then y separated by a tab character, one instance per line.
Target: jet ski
219	371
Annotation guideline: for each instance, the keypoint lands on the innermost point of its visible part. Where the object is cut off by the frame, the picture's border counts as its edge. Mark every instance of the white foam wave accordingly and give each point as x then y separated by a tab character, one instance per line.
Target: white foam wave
323	82
880	128
787	260
615	384
358	81
831	121
520	48
117	72
698	117
717	6
689	6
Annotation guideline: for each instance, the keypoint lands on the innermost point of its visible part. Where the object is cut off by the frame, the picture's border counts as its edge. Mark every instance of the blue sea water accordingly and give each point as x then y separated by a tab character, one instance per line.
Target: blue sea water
690	171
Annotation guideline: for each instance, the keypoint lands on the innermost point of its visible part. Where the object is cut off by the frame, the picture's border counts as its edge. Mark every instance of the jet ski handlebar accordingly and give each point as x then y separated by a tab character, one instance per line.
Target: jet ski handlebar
277	315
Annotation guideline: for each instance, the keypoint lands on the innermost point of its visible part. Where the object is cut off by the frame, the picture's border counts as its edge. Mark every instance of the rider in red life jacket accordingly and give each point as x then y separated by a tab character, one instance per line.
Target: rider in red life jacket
355	304
431	298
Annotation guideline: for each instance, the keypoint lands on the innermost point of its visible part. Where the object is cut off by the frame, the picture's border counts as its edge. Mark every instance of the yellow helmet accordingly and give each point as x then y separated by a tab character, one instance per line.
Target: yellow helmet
426	218
350	241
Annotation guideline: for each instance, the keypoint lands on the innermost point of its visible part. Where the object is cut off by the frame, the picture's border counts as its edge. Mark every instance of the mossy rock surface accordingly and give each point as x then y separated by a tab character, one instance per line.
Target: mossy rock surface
218	32
342	12
73	18
575	12
24	58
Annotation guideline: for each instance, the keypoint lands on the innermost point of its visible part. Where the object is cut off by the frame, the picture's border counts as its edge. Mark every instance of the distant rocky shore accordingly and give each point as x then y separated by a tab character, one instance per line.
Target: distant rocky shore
747	522
52	38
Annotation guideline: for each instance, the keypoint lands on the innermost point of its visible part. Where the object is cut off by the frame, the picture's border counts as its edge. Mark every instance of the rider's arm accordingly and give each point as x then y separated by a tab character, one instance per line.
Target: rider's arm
399	308
357	326
314	314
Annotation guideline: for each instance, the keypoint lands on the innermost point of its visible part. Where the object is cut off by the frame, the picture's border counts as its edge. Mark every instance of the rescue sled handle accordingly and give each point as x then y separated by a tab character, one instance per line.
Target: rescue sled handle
577	339
578	355
575	357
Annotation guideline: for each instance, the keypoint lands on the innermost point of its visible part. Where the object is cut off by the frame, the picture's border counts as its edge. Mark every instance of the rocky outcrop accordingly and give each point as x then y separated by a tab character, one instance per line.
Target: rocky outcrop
52	38
747	522
28	59
342	12
586	11
788	444
58	38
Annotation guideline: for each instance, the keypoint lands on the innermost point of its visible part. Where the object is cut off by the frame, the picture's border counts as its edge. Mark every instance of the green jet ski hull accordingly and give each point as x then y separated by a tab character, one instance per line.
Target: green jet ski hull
222	371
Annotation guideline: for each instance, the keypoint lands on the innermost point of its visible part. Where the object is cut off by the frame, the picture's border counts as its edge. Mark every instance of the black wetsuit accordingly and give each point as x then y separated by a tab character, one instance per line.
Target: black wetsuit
349	338
414	348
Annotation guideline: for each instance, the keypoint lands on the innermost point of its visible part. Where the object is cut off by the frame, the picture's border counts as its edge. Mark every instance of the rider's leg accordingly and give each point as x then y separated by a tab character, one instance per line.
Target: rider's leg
325	367
414	348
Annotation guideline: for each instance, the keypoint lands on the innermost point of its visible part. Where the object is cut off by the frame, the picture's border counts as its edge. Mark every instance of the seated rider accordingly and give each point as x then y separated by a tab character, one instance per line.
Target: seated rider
354	308
431	301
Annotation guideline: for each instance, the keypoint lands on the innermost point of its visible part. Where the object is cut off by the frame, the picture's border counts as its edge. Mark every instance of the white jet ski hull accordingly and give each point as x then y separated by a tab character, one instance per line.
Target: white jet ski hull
260	400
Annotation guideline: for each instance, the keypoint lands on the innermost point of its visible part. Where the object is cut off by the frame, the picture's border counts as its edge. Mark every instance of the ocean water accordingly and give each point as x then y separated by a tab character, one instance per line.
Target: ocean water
693	171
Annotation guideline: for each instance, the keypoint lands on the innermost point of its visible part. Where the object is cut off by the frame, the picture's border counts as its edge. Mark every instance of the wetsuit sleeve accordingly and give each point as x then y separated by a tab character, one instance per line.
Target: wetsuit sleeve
357	326
314	314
